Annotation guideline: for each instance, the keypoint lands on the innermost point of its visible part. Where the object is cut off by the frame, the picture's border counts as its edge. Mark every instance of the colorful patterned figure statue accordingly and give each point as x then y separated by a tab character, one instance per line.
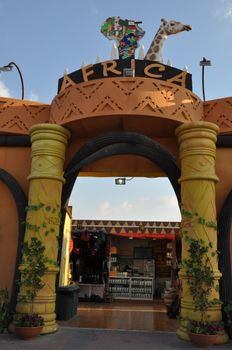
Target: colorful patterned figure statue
126	32
166	28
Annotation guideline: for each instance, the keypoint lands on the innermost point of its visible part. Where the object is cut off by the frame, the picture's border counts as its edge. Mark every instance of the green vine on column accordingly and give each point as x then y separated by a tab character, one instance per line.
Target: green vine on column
46	227
35	266
35	263
200	275
199	219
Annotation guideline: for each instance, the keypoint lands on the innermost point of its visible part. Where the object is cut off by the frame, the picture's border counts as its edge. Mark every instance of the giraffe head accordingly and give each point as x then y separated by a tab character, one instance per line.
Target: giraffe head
173	27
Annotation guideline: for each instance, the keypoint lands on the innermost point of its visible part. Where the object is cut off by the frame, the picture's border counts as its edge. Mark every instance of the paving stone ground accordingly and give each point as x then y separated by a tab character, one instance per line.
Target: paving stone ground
101	339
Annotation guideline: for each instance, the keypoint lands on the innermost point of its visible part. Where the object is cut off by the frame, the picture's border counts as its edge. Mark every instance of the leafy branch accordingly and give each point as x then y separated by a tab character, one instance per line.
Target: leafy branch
35	266
45	224
198	267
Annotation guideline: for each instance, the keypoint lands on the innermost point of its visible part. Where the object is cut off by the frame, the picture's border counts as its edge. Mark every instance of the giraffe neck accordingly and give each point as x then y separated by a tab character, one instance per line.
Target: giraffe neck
156	48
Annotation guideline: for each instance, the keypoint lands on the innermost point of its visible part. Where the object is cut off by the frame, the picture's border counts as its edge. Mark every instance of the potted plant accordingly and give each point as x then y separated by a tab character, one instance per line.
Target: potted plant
29	326
200	279
204	333
33	268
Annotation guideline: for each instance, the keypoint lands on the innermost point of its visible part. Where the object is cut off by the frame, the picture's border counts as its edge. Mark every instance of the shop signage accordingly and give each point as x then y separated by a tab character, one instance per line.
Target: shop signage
137	68
170	236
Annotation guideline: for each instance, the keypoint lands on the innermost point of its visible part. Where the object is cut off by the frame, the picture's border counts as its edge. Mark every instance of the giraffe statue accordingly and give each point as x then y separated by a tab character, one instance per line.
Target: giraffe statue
166	28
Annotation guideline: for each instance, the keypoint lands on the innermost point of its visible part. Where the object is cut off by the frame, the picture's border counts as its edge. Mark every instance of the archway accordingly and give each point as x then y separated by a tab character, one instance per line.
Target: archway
120	143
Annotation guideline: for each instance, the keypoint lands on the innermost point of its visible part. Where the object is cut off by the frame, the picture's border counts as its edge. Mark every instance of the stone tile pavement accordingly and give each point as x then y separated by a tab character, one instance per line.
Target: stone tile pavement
68	338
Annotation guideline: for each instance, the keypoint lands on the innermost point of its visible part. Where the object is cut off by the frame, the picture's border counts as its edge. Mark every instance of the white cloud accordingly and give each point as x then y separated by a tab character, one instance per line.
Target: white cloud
157	209
33	96
4	91
126	206
224	10
228	12
103	206
110	209
168	201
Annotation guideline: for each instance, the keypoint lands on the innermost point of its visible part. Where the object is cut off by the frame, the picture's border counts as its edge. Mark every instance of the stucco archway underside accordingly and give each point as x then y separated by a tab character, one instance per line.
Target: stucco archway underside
121	143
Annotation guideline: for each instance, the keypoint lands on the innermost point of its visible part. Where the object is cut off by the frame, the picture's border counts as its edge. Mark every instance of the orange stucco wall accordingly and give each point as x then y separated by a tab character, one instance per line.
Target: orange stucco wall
8	237
17	162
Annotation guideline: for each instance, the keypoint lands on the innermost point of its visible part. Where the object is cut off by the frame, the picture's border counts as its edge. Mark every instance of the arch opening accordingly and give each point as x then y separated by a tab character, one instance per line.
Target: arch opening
120	143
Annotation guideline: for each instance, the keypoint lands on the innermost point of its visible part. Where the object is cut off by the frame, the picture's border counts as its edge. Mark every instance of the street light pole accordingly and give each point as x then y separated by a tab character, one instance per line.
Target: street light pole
203	64
203	82
8	68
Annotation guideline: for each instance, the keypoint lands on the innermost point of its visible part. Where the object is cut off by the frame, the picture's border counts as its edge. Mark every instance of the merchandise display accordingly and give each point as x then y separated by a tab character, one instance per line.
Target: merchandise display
131	288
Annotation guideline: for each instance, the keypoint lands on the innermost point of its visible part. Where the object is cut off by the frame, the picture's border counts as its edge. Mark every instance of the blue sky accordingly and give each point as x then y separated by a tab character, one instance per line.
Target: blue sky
46	37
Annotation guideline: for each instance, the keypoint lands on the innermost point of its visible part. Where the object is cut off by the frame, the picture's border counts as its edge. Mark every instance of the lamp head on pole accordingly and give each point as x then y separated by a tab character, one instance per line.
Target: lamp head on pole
120	181
204	62
9	68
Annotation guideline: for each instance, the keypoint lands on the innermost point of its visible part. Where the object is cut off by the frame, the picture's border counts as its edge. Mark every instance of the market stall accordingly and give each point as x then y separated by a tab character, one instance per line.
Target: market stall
89	263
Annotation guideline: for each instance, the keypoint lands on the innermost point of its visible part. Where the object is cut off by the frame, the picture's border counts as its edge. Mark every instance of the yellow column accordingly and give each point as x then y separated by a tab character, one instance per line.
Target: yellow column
198	179
46	181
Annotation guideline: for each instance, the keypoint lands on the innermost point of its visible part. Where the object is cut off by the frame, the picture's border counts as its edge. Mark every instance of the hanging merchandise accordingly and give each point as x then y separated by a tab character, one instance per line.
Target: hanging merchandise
85	236
91	256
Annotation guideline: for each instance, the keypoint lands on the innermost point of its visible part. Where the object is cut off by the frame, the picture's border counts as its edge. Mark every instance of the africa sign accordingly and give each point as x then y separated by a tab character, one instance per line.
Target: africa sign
138	68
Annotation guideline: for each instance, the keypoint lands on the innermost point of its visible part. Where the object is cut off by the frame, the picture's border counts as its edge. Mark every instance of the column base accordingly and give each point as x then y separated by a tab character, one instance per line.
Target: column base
49	328
182	333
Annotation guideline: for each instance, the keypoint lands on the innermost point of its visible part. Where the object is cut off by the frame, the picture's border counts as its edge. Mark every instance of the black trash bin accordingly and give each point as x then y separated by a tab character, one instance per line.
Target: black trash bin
67	300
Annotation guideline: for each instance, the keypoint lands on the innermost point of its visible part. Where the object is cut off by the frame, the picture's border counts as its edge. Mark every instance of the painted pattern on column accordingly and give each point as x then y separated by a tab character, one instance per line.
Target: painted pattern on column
46	181
198	178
